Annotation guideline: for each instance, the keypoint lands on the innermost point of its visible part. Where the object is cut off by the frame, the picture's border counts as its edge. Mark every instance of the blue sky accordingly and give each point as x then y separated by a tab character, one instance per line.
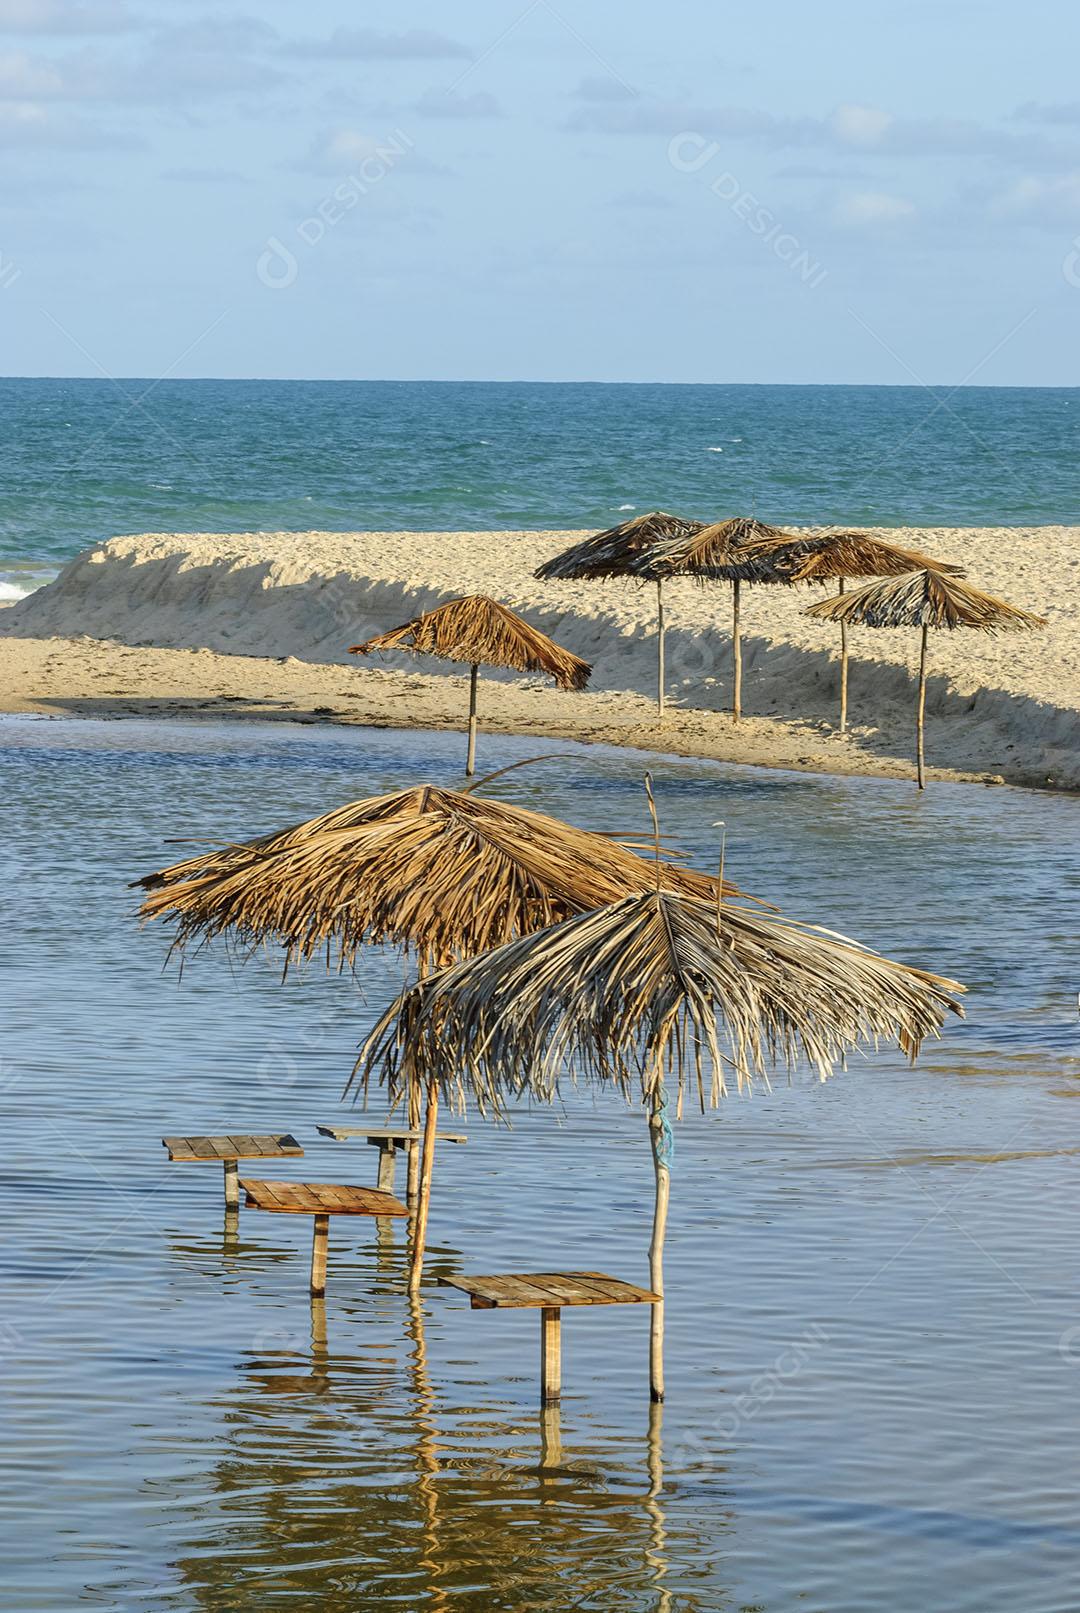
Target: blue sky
879	193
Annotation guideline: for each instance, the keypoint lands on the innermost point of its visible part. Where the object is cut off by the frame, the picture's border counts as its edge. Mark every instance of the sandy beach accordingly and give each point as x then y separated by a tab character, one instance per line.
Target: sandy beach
257	625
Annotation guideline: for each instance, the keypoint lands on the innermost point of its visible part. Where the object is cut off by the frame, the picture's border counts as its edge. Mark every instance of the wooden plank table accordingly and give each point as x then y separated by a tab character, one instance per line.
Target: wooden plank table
227	1150
320	1200
388	1141
548	1292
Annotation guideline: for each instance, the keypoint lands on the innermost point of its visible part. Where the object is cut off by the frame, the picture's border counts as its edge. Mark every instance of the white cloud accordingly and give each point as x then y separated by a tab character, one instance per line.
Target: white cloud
368	44
1032	200
870	207
856	125
450	104
1062	112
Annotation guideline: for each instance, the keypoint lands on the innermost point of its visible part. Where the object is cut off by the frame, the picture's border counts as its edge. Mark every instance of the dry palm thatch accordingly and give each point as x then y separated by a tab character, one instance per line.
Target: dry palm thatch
440	873
482	632
926	598
741	549
656	986
630	549
835	556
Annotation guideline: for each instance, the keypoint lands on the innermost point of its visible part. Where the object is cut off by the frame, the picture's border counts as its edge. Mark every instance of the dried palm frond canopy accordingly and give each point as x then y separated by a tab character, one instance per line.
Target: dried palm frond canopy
482	632
627	550
826	556
835	556
924	599
443	873
655	987
637	993
738	550
437	872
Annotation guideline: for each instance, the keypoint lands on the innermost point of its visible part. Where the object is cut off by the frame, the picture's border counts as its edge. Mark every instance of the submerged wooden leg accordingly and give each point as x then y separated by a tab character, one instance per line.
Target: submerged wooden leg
232	1184
550	1356
387	1162
318	1255
423	1197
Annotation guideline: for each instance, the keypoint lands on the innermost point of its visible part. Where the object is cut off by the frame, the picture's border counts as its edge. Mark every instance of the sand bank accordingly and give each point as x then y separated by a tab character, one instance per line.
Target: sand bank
258	624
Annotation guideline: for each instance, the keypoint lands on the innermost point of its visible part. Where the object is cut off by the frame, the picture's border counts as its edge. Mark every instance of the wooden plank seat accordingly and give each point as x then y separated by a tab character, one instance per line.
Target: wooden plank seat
227	1150
320	1200
389	1140
548	1292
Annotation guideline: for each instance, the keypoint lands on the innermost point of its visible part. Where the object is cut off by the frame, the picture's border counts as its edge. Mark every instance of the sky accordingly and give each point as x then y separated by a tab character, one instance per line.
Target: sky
610	190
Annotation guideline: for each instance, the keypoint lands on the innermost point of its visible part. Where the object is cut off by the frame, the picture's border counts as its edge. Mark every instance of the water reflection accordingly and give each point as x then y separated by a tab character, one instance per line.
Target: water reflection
416	1501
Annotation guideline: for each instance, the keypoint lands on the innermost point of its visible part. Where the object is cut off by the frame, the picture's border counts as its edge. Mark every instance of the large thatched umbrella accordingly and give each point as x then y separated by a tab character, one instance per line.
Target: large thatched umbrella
836	556
741	549
482	632
657	986
442	874
926	598
626	550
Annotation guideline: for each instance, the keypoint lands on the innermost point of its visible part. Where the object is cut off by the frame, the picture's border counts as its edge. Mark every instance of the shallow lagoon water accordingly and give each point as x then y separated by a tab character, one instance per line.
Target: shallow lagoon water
873	1287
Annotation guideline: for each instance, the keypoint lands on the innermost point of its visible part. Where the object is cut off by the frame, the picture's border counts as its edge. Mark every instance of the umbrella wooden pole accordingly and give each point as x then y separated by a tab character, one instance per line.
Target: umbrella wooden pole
470	760
423	1197
920	721
843	670
656	1249
660	647
736	654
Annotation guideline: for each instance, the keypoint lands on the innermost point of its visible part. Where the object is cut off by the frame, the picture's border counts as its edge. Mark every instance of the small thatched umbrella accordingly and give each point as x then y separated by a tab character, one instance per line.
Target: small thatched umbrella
482	632
443	874
925	598
738	550
645	989
836	556
626	550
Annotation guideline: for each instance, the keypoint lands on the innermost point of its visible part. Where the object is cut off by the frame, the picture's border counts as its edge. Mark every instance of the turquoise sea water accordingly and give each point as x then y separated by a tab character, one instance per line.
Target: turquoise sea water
85	460
873	1314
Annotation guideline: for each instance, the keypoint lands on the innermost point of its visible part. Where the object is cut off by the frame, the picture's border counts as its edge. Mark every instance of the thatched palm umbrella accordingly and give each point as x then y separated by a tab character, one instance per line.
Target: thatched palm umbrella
646	990
925	599
836	556
741	549
626	550
482	632
442	874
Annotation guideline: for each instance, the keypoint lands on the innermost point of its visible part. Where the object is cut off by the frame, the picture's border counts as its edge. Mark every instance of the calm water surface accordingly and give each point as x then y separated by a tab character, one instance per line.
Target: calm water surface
874	1328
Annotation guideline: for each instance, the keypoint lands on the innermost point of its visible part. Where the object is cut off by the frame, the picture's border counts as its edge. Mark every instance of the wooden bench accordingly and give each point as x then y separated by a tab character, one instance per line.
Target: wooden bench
388	1142
227	1150
549	1291
320	1200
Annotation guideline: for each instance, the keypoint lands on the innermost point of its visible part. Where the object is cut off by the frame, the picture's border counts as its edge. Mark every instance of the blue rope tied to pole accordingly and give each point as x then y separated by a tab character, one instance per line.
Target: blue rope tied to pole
665	1152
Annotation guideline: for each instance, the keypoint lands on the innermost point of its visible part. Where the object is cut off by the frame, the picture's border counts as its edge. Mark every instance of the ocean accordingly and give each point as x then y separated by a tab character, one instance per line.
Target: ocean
85	460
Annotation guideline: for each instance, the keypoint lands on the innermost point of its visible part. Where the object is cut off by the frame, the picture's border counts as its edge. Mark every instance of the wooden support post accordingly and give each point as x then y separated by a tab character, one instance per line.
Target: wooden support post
423	1198
320	1230
656	1251
412	1151
387	1162
470	759
843	671
736	654
660	646
550	1356
921	717
232	1184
